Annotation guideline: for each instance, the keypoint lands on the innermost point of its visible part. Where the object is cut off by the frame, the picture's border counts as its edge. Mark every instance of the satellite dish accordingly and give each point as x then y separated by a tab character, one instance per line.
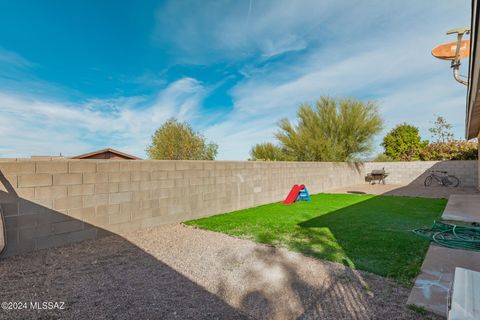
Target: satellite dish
454	51
447	51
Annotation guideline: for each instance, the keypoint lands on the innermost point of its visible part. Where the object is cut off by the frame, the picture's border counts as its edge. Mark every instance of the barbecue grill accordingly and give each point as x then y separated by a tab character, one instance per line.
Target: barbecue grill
377	175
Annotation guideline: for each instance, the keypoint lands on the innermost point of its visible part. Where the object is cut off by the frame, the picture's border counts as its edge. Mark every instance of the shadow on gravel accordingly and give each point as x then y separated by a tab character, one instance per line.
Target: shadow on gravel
336	293
106	277
336	296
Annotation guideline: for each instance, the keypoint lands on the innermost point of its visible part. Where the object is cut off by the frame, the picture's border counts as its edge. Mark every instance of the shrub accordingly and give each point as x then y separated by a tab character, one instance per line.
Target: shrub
451	150
268	152
403	143
382	157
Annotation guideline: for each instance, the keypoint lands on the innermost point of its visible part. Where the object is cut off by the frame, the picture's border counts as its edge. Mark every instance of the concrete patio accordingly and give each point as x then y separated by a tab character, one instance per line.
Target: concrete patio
406	190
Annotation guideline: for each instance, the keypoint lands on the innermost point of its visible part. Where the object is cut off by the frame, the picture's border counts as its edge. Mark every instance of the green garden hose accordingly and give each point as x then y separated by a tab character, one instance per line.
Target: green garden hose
452	236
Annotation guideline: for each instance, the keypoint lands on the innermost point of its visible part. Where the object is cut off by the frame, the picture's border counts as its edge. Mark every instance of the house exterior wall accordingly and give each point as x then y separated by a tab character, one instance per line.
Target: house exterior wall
473	94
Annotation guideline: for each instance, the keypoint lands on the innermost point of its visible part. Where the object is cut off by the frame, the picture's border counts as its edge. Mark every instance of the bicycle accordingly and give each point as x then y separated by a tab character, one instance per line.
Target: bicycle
442	178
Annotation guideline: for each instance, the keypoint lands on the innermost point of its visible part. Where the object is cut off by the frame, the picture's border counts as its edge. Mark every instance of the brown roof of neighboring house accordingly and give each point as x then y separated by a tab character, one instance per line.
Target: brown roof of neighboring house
108	150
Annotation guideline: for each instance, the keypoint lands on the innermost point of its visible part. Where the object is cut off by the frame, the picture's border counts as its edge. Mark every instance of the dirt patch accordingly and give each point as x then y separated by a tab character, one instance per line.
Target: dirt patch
179	272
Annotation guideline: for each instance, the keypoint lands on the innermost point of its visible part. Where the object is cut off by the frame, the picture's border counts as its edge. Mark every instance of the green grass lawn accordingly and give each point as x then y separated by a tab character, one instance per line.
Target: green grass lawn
366	232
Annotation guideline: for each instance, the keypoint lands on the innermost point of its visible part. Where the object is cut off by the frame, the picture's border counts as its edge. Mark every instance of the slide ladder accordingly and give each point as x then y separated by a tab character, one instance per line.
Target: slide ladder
303	195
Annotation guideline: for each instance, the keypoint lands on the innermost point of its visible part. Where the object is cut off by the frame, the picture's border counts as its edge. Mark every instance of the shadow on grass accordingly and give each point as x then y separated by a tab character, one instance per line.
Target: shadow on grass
373	235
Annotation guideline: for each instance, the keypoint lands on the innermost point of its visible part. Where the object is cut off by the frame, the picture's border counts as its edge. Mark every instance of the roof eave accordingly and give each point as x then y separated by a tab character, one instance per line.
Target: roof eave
125	155
472	121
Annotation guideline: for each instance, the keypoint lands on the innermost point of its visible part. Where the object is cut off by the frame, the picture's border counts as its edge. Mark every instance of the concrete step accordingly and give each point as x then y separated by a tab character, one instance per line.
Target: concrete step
463	207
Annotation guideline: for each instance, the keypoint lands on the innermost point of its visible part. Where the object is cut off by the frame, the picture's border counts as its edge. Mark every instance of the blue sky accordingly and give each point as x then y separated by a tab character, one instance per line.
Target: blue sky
77	76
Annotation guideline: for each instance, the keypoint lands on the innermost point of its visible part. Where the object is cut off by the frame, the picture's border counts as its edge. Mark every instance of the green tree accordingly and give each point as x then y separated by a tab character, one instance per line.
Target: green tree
267	151
403	143
335	130
441	130
177	141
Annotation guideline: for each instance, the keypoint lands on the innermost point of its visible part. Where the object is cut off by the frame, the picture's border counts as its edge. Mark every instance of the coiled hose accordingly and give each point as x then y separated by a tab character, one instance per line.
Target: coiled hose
452	236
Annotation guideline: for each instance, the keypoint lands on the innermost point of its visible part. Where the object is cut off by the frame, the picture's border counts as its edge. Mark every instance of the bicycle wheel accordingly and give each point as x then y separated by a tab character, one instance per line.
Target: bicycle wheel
454	181
446	182
428	181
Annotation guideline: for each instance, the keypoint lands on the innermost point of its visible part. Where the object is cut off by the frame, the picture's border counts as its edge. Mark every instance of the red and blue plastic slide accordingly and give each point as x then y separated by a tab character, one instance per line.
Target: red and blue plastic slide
293	194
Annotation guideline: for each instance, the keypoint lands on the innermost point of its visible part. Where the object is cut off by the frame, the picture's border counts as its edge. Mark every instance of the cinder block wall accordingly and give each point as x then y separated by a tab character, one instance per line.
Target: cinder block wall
415	172
49	203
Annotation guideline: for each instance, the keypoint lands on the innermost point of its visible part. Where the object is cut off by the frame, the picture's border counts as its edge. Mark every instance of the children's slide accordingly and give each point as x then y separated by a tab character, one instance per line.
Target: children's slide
293	195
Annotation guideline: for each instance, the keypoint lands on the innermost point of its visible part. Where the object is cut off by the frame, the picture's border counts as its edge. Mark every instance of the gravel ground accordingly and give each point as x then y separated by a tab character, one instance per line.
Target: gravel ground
179	272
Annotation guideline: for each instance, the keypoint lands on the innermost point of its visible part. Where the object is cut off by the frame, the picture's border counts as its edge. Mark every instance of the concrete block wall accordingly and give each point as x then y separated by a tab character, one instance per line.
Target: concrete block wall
415	172
49	203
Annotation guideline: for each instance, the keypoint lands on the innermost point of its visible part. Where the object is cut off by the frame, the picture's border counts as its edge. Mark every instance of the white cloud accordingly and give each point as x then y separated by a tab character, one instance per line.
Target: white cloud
288	43
392	65
290	52
13	59
32	125
206	31
418	102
